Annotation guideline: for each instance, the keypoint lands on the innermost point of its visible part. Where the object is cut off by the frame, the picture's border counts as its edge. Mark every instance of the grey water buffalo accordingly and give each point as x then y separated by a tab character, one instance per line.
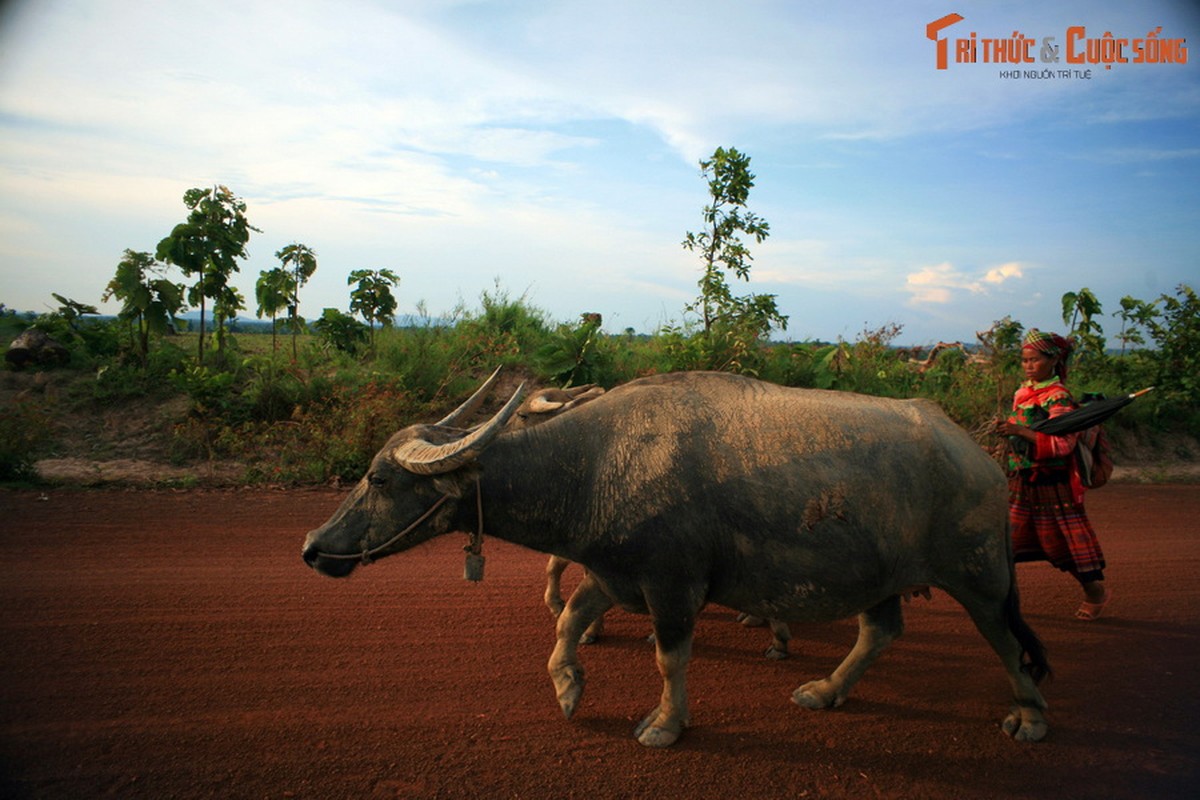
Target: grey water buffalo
681	490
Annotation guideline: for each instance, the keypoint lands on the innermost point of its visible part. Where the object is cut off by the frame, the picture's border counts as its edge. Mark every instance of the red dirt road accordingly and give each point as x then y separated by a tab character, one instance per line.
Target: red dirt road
160	644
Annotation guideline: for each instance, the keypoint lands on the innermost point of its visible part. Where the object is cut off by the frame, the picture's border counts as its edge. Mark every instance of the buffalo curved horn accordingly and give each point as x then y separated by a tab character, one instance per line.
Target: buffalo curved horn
423	457
471	405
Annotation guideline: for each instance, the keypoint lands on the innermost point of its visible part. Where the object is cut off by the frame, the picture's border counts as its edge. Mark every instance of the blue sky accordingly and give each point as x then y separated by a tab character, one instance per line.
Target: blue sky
554	147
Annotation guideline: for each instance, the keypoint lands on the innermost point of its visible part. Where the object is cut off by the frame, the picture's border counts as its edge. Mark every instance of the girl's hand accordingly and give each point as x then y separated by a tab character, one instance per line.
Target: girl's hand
1006	428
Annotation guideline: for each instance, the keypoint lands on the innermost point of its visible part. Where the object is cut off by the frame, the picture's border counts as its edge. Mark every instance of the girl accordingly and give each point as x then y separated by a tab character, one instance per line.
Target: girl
1045	491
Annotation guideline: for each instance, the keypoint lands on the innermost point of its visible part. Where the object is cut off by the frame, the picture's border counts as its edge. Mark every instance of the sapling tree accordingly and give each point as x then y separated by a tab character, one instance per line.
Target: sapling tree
372	298
273	291
149	300
1080	312
301	261
207	246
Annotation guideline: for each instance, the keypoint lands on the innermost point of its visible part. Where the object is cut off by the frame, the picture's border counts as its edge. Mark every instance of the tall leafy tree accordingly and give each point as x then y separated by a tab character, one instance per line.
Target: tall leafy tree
731	323
274	292
372	298
149	300
207	246
302	262
719	245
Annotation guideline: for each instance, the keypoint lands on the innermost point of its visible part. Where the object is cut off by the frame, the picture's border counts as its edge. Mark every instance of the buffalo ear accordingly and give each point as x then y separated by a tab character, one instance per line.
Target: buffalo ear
455	484
541	403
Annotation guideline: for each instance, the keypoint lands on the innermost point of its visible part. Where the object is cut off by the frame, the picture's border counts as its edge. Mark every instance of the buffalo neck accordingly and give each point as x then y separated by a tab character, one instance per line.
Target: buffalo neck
534	489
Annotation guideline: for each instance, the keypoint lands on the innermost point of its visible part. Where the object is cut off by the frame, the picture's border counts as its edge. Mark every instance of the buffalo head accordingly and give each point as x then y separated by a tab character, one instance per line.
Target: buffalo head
545	404
411	491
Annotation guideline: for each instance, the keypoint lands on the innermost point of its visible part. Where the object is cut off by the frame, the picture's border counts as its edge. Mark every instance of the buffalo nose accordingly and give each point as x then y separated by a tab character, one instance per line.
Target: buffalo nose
310	555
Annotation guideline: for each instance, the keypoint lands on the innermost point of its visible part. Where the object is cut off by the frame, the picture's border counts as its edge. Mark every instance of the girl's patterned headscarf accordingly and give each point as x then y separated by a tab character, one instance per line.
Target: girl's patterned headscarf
1052	345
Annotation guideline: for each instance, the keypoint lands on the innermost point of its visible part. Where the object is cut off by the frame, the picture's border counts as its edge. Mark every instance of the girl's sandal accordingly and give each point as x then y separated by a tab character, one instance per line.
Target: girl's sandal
1092	611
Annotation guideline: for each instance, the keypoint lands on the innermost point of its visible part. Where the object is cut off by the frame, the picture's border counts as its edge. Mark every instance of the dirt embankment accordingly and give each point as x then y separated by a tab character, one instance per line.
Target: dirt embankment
128	444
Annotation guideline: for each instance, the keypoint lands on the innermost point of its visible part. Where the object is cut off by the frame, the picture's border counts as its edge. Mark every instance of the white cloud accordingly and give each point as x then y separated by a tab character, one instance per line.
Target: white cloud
940	284
1004	272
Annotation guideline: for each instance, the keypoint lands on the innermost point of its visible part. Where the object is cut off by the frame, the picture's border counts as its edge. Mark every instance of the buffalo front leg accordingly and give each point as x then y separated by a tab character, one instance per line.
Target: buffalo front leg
878	627
587	603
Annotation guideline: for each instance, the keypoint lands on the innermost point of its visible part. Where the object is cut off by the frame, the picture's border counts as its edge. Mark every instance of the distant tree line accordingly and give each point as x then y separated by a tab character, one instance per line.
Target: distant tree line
207	248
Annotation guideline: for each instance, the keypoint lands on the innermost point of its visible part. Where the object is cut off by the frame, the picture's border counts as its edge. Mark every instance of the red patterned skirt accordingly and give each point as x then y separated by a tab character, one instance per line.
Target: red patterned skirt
1048	525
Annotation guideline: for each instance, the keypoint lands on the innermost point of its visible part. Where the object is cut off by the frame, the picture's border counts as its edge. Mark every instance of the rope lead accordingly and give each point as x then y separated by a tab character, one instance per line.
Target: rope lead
473	569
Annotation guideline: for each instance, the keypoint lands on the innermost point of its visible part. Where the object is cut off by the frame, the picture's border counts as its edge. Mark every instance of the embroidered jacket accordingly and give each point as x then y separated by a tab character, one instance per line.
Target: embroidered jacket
1032	403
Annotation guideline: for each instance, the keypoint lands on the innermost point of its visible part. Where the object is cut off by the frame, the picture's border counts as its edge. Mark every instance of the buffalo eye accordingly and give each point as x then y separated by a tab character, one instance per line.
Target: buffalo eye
377	480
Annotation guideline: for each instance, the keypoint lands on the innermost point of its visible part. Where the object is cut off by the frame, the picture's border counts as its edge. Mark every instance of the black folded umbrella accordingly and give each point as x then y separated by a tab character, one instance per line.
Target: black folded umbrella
1087	415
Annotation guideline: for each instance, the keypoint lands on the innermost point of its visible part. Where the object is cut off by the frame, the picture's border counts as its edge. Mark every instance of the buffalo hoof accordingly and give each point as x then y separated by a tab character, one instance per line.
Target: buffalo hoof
817	695
653	732
658	737
775	654
1027	727
568	686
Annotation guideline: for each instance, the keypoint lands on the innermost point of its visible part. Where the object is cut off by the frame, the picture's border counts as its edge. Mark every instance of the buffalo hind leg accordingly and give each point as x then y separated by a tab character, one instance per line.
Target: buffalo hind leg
781	634
663	726
673	633
555	568
878	627
586	604
1001	624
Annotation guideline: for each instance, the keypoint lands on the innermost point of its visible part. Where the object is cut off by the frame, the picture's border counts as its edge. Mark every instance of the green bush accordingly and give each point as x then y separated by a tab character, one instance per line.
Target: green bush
123	379
24	431
426	358
1177	334
502	331
573	356
340	331
335	437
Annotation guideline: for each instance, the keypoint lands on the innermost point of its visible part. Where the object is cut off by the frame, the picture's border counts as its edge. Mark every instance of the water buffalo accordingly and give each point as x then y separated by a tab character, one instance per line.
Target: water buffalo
677	491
